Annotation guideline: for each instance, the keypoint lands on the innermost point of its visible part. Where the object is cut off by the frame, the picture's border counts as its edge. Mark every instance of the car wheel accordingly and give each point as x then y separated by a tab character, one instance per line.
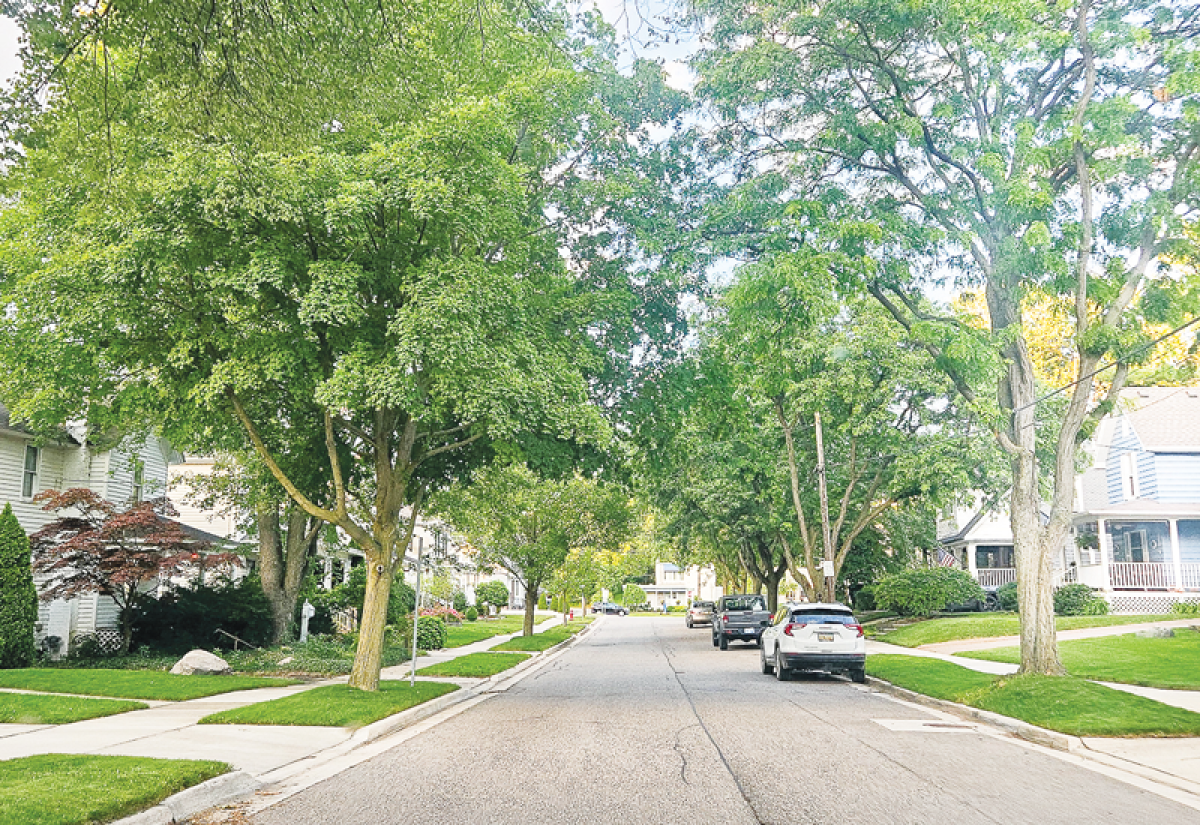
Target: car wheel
766	666
689	622
859	675
724	643
622	613
715	642
781	672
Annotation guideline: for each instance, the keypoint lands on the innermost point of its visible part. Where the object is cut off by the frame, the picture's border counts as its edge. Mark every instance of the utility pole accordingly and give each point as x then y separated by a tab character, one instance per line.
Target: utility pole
826	528
412	676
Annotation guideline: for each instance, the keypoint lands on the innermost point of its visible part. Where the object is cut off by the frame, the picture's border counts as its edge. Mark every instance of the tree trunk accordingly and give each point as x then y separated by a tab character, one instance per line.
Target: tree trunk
531	594
281	560
368	657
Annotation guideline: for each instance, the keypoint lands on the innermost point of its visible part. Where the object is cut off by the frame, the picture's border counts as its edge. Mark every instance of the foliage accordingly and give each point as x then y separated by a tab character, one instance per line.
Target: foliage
18	596
431	633
922	591
1079	600
67	789
460	601
528	525
189	618
492	593
351	594
633	595
94	547
472	614
320	655
864	598
334	705
446	614
1006	597
1186	608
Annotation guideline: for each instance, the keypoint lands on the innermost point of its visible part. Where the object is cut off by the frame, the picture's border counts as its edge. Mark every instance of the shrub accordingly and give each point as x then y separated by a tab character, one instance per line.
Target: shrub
459	601
633	595
922	591
188	619
352	593
493	592
1186	608
1078	600
472	614
1006	597
431	633
18	597
864	599
446	614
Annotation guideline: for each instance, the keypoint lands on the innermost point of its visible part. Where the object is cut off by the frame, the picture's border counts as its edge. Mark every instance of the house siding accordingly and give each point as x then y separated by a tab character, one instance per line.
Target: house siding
1125	442
1178	477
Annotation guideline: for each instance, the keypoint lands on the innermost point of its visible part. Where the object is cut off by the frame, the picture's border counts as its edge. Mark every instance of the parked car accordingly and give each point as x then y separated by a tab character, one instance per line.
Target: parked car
610	607
814	637
700	612
739	618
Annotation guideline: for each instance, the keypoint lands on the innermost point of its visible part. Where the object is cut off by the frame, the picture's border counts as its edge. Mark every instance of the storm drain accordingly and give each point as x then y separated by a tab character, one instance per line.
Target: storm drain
926	725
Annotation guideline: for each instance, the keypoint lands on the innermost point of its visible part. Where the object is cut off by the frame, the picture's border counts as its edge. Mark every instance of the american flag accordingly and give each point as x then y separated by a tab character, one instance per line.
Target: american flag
947	559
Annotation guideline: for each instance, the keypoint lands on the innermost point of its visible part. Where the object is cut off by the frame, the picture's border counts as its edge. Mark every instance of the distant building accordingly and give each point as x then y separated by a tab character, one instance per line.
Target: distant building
679	586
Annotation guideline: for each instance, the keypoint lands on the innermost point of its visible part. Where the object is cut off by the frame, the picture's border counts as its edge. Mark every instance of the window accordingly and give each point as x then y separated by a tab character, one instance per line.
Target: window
1129	478
139	482
30	476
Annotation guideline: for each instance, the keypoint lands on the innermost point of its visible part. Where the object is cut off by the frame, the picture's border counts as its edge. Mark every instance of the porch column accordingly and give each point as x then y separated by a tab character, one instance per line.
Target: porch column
1105	542
1176	559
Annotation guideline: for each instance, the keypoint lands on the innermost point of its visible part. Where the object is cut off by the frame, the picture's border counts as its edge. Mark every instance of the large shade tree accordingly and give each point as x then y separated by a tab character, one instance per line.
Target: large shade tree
382	251
1017	143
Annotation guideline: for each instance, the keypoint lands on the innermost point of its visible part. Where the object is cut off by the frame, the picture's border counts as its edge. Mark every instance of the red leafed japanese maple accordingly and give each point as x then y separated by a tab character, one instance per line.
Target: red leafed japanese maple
96	547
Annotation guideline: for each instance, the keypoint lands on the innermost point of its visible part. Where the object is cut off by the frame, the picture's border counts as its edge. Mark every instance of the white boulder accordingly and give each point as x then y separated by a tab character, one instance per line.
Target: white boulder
201	663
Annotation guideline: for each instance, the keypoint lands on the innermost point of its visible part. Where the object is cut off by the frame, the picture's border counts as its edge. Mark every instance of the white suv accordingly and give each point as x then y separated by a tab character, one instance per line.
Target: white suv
814	637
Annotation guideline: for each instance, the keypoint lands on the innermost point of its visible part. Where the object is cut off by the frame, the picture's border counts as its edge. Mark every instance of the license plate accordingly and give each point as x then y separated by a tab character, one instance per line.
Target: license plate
824	637
747	631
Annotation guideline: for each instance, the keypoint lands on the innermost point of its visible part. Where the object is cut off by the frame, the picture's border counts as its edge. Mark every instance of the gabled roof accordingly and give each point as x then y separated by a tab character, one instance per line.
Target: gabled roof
6	422
1166	419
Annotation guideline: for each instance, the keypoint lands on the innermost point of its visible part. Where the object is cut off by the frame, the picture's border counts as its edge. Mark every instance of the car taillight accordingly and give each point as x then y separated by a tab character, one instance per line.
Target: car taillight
725	618
857	628
787	631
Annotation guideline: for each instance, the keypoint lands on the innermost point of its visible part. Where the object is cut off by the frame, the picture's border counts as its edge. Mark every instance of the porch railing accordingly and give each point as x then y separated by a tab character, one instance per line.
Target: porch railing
992	577
1191	576
1141	575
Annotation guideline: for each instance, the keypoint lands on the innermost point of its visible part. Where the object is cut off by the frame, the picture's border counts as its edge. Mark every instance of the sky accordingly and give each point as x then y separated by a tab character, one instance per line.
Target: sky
8	49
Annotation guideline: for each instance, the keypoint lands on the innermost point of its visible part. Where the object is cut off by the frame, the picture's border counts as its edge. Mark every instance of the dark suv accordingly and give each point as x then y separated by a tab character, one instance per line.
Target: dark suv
610	607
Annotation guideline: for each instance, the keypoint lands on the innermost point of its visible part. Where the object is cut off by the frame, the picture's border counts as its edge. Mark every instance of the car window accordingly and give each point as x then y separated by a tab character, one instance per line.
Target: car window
747	603
822	617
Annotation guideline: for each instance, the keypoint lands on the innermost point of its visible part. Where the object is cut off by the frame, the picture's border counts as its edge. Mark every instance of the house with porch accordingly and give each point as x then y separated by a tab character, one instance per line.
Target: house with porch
677	586
1136	530
133	470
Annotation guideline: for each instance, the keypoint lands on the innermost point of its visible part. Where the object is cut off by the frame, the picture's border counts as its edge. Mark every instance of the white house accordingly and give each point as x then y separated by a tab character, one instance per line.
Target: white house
134	470
1136	529
679	586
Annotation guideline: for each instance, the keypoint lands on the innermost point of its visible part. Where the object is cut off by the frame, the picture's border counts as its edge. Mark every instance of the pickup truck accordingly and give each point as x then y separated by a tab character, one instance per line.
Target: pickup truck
739	618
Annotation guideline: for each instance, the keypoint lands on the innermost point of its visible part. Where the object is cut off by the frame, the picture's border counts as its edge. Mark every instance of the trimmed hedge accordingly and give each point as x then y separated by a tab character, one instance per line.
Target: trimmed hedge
926	590
1078	600
1006	596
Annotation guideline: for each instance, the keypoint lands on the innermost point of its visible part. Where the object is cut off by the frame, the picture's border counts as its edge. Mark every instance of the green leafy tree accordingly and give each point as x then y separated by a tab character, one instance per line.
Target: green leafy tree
633	595
18	596
529	525
1021	144
381	266
492	593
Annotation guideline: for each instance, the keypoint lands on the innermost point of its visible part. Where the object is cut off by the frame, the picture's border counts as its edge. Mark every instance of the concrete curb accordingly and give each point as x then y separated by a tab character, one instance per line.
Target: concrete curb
1024	730
220	790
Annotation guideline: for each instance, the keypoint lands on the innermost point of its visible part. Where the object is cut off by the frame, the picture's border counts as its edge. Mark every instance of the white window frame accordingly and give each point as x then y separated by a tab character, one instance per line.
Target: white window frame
29	475
1129	476
138	483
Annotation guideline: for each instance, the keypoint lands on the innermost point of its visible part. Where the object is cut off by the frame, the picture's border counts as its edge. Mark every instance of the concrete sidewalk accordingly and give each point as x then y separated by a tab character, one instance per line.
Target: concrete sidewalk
1174	762
170	730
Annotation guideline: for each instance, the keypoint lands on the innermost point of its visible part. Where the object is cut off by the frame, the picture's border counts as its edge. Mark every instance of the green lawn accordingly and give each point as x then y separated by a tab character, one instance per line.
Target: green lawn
475	665
1066	704
988	625
39	709
59	789
130	684
546	639
1163	663
334	706
485	629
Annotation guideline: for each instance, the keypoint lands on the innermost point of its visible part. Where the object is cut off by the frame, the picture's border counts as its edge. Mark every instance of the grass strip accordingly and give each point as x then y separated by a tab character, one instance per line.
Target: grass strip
546	639
334	706
1172	663
38	709
1066	704
475	665
989	625
477	631
130	684
69	789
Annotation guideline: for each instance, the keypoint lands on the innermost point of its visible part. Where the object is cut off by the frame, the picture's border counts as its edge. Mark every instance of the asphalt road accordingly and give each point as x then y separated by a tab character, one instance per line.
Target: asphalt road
644	721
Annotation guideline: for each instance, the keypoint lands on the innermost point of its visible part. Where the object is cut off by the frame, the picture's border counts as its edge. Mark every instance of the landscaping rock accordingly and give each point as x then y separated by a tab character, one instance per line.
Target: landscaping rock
202	663
287	660
1156	633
